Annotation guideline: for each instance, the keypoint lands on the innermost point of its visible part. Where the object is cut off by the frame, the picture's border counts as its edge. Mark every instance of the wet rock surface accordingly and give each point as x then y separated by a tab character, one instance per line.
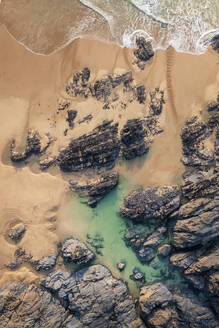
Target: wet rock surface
96	188
75	251
143	52
151	203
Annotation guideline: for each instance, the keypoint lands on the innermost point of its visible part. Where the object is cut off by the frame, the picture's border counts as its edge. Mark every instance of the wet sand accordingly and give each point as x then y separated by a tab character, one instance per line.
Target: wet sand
31	87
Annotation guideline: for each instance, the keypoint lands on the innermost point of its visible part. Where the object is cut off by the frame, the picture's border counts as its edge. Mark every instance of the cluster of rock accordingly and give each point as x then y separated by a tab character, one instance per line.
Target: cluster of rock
96	188
146	245
194	137
160	308
193	211
34	145
90	297
143	52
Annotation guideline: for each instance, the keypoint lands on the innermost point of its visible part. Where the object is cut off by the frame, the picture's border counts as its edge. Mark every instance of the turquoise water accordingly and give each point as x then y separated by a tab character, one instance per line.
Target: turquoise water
103	230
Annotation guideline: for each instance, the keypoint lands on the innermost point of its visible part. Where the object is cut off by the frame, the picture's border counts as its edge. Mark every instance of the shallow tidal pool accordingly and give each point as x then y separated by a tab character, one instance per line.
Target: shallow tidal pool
103	230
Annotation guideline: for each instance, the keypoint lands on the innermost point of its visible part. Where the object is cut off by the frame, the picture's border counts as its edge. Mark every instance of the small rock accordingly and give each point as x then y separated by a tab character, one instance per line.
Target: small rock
16	233
45	263
75	251
121	266
137	275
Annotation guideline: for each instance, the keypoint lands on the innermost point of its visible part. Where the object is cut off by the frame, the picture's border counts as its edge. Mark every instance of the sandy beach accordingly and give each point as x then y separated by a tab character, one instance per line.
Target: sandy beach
33	86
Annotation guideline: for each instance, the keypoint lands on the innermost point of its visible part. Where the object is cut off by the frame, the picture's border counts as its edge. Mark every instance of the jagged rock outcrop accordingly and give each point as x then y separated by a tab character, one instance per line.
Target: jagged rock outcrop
151	203
162	309
157	101
71	115
195	152
137	136
94	297
24	306
35	144
75	251
154	296
143	52
96	188
97	149
45	263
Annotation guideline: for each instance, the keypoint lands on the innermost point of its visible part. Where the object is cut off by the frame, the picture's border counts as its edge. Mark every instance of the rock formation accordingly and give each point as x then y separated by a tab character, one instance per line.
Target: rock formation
75	251
96	188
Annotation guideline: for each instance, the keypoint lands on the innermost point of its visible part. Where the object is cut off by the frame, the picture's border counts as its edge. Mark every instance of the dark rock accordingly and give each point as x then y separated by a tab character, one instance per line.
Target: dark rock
133	139
23	305
157	101
17	232
197	281
214	105
71	117
99	148
86	119
215	43
94	297
96	188
152	297
47	162
143	51
14	265
75	251
141	94
195	153
213	284
137	275
151	203
164	250
162	318
45	263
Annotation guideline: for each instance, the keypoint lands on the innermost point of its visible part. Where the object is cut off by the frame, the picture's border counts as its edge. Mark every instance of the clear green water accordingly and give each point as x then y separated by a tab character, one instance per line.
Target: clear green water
104	227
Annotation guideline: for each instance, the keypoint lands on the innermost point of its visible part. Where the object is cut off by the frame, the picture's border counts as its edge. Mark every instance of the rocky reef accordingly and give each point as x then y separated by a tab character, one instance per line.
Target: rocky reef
95	188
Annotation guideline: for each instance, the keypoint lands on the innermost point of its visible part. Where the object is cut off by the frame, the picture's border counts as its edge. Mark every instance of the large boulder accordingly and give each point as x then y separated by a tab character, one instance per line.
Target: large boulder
76	251
151	203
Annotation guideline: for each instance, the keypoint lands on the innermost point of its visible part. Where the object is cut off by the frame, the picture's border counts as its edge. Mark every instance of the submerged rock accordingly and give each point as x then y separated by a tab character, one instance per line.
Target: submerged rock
151	203
121	266
164	250
137	275
96	188
75	251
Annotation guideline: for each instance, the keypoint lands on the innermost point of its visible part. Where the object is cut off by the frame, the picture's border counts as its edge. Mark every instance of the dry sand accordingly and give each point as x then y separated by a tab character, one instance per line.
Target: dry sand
31	86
